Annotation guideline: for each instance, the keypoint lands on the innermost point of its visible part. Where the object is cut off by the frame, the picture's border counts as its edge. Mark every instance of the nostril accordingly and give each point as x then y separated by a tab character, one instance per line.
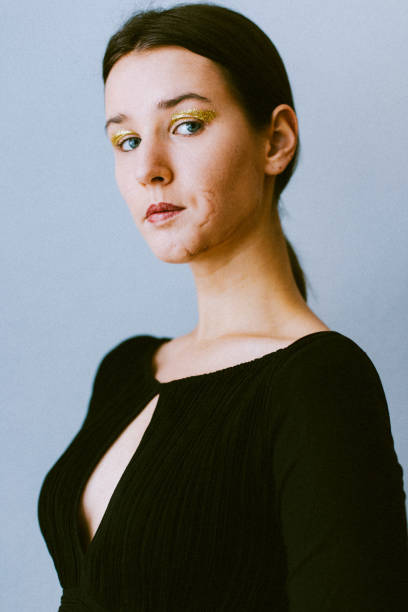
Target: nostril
158	178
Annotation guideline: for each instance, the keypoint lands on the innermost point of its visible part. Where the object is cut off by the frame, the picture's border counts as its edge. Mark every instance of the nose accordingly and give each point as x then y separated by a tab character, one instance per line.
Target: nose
152	165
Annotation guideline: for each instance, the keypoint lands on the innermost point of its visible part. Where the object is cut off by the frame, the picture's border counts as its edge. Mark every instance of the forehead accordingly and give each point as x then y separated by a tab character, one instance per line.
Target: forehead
143	78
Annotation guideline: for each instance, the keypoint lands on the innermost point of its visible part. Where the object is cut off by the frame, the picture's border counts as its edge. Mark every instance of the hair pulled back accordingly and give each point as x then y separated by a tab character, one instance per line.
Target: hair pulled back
248	59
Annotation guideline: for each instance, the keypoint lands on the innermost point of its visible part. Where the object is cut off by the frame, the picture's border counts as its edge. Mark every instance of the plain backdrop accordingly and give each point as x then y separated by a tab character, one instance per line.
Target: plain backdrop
78	279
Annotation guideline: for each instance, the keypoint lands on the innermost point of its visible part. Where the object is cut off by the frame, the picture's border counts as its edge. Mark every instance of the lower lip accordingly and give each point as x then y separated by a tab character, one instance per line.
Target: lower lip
163	216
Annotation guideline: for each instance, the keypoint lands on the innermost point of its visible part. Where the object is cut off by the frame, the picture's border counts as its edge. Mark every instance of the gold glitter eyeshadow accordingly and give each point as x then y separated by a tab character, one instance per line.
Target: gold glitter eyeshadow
117	137
193	113
196	113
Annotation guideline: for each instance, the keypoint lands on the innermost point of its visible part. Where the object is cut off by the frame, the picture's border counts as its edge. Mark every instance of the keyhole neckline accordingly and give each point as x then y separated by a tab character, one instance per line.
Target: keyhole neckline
157	342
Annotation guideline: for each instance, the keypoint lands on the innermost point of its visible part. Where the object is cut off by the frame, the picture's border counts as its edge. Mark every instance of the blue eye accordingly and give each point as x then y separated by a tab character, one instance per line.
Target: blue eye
190	127
130	143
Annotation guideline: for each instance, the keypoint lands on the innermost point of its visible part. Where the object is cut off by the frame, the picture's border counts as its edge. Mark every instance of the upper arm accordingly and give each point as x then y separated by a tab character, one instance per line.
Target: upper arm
340	497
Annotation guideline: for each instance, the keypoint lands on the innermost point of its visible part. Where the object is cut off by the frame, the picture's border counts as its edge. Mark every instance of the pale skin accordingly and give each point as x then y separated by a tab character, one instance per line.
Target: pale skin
229	234
223	175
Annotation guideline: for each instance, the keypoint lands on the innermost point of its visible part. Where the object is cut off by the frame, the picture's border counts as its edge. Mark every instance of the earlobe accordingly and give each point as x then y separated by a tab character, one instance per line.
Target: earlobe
281	139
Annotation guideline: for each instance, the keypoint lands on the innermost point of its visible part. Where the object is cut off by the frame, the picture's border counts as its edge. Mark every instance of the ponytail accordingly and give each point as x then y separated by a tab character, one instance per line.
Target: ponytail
297	271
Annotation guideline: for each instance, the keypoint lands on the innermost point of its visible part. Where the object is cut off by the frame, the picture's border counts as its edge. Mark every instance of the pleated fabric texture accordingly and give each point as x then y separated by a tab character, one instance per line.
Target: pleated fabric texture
272	485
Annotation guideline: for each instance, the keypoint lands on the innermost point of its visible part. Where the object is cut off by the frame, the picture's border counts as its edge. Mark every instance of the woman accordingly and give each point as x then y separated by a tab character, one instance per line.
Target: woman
249	464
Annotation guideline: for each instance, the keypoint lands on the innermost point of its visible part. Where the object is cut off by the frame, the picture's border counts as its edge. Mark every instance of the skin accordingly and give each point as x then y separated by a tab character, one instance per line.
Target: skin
223	175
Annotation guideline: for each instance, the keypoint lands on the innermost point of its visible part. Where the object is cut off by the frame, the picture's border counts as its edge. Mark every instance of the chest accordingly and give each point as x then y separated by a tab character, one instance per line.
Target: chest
179	480
105	477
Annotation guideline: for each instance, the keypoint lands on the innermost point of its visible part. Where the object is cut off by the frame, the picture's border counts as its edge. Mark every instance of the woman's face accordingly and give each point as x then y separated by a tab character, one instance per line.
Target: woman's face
180	137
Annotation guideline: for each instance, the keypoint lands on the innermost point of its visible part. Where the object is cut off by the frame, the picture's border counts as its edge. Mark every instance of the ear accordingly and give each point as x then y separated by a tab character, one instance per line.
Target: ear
282	136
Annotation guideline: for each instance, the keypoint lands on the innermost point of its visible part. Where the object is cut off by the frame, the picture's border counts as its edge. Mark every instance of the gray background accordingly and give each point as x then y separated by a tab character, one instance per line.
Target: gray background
78	278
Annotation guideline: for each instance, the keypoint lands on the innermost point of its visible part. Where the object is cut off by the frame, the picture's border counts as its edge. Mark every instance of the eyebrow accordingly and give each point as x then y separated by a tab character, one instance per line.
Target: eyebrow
163	104
174	101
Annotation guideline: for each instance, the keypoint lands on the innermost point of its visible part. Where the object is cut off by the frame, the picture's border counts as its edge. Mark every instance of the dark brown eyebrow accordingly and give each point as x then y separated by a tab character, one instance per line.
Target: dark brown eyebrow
163	104
174	101
116	119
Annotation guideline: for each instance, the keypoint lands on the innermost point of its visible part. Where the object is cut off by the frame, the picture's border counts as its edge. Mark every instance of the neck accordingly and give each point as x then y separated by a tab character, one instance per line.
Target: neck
248	289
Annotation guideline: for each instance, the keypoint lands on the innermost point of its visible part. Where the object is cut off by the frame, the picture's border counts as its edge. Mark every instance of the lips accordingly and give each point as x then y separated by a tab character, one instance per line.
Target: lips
161	207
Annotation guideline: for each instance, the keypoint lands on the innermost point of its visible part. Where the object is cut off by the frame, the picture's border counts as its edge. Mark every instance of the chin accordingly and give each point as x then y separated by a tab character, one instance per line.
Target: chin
177	251
173	243
173	254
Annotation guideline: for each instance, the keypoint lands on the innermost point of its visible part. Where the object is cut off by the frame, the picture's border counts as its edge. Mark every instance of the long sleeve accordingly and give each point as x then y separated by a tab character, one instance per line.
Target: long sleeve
340	497
269	486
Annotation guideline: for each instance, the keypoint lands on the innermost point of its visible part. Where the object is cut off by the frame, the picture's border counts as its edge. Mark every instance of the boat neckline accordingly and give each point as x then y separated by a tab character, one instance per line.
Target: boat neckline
238	366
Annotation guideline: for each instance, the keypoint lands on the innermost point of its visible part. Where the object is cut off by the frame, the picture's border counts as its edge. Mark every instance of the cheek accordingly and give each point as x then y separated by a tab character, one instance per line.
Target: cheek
126	187
232	184
122	180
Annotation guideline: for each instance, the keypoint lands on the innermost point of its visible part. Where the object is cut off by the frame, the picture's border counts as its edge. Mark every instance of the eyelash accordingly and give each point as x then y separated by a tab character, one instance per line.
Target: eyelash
120	144
200	123
189	121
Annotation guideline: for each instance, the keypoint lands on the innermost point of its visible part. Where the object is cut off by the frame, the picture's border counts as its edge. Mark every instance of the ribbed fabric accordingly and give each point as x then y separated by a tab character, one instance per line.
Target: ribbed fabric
272	485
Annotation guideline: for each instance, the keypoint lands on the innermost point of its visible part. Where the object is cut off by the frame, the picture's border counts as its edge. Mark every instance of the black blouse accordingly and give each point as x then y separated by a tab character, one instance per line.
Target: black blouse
272	485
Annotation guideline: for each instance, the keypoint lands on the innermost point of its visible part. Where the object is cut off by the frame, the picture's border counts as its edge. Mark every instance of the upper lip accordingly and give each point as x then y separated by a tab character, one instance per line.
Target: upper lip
161	207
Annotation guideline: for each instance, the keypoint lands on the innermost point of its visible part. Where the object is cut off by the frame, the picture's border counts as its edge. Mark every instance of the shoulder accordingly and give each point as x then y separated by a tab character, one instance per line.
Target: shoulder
327	414
123	358
321	345
326	357
327	378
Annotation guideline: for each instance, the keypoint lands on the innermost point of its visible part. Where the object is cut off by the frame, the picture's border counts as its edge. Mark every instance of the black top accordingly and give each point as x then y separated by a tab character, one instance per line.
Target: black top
272	485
